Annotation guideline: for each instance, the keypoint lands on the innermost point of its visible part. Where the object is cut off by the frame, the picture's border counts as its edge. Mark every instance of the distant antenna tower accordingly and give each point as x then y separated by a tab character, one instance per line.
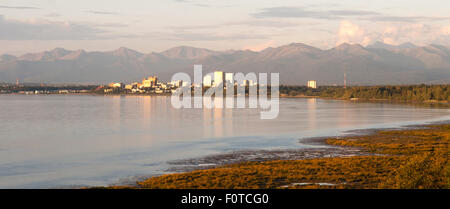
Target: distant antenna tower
345	80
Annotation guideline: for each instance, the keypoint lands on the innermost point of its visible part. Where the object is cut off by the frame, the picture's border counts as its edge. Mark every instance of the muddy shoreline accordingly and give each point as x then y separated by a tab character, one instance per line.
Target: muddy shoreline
323	150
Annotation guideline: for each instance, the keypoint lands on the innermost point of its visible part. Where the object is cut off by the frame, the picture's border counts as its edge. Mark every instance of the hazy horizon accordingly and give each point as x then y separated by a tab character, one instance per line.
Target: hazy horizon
212	49
296	63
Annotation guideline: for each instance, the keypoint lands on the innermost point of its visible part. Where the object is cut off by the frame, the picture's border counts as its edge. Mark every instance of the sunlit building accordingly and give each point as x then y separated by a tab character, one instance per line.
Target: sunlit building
229	78
218	78
249	83
176	83
131	86
115	85
150	82
207	82
312	84
152	85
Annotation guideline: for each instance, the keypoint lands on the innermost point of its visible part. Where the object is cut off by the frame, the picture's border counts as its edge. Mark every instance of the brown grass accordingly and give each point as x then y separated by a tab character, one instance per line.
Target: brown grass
408	159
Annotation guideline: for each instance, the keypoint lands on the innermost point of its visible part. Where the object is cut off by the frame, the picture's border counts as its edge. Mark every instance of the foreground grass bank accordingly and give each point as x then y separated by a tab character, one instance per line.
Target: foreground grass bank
411	159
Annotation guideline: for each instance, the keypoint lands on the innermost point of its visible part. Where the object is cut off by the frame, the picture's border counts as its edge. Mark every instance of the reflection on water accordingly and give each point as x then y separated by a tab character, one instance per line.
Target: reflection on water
311	107
52	140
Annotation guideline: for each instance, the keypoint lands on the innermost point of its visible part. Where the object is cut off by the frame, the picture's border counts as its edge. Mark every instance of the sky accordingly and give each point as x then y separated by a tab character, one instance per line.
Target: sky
154	26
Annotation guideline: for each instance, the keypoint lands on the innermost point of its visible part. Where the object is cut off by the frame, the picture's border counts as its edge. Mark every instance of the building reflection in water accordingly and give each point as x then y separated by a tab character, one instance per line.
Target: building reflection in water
311	105
228	120
207	118
218	117
146	110
345	117
217	121
116	111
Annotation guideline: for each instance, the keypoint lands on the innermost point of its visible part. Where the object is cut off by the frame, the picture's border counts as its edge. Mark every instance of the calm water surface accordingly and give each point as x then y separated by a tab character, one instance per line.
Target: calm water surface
56	140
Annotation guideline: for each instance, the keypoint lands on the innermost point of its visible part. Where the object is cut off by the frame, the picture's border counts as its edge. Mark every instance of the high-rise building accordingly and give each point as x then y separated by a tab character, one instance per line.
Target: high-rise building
229	78
218	78
131	86
312	84
116	85
149	82
176	83
207	82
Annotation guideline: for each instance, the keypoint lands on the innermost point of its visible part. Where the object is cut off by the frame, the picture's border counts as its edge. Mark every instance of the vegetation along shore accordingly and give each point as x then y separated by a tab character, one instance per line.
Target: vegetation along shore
399	93
415	158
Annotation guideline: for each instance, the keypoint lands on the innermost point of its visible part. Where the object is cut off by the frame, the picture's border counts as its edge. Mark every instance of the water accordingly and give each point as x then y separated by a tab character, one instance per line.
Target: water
62	140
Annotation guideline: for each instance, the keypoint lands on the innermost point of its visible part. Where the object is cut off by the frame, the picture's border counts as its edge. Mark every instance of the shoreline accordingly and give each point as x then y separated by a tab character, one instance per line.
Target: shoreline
324	150
274	155
329	152
381	101
361	100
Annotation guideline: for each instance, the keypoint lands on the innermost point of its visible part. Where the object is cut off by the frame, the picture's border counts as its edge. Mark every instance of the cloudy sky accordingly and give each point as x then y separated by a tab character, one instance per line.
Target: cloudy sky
147	25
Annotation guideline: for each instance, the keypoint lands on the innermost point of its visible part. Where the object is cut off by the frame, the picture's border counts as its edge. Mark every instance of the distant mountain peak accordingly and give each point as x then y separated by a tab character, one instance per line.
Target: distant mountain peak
188	52
46	55
7	57
407	45
296	63
74	55
126	52
59	49
299	45
124	49
347	46
353	49
290	50
381	45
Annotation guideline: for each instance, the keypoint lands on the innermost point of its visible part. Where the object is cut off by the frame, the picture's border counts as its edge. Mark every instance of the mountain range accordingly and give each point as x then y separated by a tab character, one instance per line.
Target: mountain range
378	63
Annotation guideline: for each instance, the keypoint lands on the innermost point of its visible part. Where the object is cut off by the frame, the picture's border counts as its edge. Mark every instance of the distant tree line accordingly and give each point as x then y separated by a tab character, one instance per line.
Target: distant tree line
414	93
14	88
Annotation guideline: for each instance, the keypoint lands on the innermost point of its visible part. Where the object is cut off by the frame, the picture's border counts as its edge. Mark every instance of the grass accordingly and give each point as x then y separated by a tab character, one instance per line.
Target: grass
406	159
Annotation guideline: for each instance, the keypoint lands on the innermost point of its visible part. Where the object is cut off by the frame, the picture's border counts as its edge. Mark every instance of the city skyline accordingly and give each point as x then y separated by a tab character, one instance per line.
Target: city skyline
153	26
